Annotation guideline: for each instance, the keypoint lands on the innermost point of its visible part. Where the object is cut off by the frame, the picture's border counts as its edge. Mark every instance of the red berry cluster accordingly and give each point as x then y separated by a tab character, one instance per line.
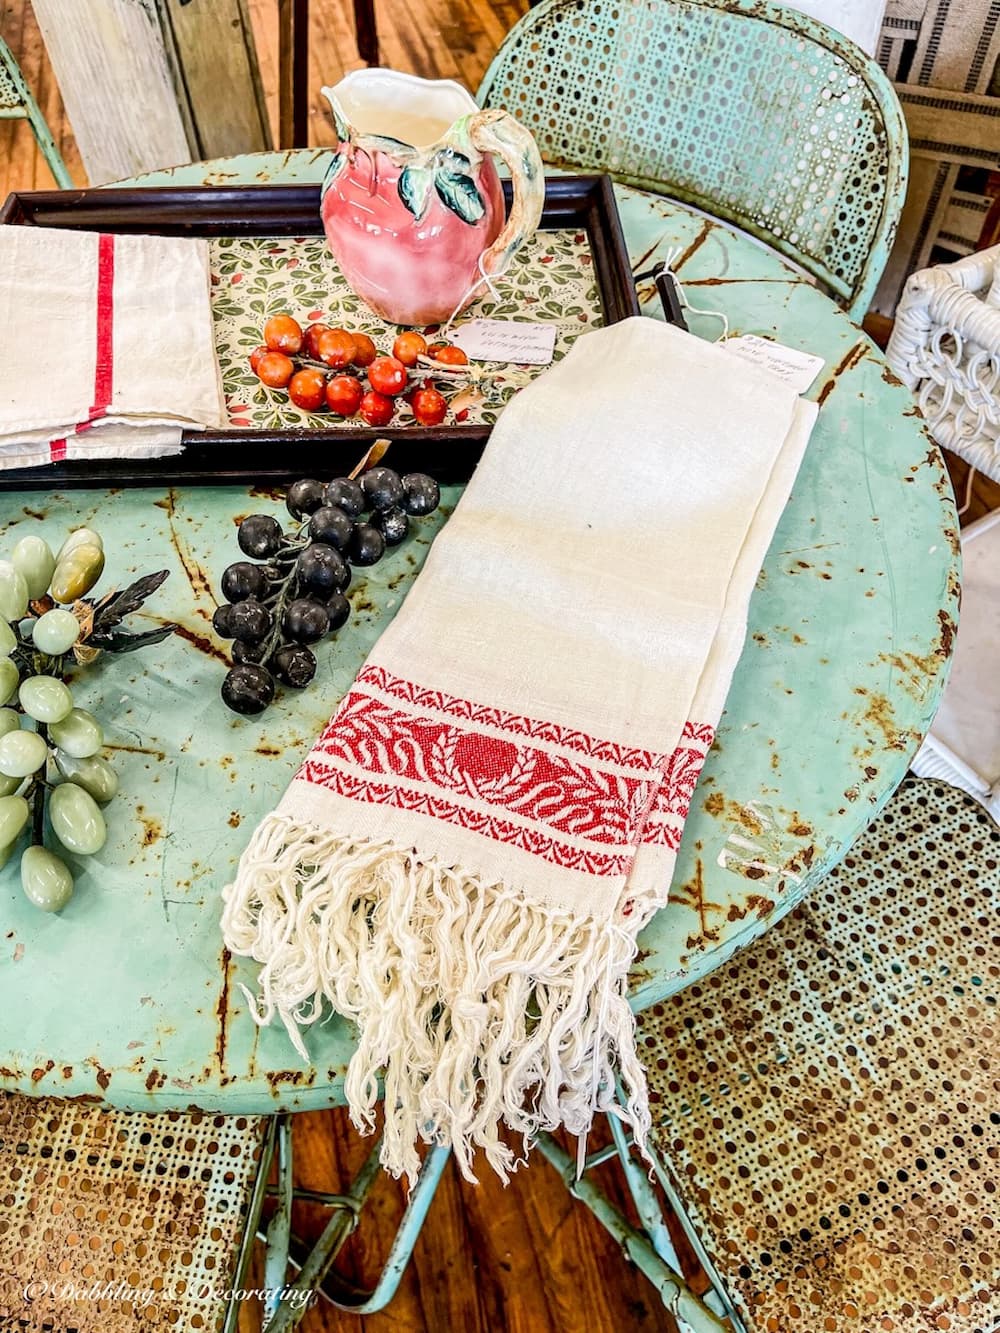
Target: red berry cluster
317	366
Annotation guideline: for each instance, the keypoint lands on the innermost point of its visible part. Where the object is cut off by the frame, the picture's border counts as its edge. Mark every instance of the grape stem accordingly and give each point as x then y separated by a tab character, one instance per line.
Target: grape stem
38	795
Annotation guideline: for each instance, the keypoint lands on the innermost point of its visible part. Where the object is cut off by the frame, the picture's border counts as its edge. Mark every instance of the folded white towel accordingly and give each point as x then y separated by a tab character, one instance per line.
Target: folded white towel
109	349
463	861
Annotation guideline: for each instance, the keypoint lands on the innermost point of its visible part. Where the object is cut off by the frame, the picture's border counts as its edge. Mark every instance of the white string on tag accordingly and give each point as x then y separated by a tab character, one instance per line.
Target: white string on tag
484	277
668	262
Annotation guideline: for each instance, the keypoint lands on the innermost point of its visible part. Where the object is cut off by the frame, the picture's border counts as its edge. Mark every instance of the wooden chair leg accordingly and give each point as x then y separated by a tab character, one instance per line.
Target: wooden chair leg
293	73
365	31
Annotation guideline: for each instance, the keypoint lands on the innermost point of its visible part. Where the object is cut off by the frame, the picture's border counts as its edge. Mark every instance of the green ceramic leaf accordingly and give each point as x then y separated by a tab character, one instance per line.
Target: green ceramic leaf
340	125
451	160
415	189
458	192
334	169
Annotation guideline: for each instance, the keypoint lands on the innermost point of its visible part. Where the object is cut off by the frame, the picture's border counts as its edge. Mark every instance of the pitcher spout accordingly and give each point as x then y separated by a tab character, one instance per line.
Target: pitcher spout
390	104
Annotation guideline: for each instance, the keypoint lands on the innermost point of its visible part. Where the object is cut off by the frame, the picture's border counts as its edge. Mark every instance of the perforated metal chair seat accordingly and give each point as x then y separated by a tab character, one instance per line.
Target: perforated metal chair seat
120	1222
828	1103
751	112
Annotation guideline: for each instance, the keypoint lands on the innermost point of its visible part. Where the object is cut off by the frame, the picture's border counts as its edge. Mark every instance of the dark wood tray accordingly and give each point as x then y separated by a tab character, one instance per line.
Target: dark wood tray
237	455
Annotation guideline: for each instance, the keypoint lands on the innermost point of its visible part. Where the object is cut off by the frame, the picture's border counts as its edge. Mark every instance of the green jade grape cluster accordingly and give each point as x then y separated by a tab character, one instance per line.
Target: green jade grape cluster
65	738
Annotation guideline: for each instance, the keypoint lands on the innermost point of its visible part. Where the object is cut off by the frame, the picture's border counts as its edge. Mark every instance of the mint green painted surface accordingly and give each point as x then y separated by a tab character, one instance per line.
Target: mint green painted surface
749	110
17	103
127	995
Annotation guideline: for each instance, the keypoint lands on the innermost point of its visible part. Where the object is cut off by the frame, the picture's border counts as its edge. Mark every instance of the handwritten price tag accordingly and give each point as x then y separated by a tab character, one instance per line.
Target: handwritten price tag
797	369
507	340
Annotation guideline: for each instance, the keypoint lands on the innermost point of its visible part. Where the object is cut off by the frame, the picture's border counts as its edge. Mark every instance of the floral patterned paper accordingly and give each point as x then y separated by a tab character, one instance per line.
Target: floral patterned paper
552	280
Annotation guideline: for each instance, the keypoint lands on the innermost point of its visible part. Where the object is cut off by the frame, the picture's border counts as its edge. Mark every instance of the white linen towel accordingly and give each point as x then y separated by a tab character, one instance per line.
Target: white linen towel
109	350
463	861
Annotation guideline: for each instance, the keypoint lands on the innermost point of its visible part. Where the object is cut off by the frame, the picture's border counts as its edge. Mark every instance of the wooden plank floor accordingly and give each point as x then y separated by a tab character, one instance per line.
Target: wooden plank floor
527	1259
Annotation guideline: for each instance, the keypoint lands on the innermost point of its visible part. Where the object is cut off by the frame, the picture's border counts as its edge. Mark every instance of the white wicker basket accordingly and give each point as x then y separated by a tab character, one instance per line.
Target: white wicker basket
963	746
945	346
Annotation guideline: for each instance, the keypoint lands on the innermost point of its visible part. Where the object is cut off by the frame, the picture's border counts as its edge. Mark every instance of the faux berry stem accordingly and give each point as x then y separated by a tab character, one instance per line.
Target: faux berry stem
277	611
319	365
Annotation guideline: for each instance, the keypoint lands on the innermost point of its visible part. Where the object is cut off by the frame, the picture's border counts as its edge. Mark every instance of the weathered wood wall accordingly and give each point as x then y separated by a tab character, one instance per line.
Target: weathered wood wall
147	83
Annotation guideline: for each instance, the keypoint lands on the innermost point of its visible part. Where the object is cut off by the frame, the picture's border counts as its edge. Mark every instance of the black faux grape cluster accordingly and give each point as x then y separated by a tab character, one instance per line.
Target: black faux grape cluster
276	609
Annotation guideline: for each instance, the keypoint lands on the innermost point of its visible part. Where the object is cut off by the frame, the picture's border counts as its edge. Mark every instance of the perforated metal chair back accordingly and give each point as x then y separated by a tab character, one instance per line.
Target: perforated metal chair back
119	1221
753	113
17	103
828	1103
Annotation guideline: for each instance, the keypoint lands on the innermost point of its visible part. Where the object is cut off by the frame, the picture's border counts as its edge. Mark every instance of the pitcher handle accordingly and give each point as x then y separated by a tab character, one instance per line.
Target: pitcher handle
498	132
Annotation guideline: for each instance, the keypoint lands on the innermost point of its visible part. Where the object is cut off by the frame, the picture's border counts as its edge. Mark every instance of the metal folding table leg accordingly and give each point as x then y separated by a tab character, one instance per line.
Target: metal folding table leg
316	1271
673	1290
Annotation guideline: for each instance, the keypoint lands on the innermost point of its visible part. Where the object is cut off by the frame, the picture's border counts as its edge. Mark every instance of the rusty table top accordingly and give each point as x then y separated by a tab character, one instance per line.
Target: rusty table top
128	994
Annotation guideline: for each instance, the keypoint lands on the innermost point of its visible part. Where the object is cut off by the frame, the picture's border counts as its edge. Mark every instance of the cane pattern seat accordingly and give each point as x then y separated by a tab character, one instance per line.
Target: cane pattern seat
752	112
120	1222
828	1103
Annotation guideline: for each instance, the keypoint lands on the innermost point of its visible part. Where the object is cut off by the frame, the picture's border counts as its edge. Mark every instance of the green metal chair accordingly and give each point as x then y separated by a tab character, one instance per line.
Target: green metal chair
753	113
827	1104
17	103
130	1221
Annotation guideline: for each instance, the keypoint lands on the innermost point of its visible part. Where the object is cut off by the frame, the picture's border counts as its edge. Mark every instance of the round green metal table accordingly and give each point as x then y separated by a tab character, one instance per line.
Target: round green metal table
128	995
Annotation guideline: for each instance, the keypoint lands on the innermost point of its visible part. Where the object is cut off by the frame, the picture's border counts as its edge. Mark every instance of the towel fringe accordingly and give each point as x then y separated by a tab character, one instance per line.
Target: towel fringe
474	1004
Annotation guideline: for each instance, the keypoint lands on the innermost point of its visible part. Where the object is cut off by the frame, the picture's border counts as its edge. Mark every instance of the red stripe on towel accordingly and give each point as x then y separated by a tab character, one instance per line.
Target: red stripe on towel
104	368
104	361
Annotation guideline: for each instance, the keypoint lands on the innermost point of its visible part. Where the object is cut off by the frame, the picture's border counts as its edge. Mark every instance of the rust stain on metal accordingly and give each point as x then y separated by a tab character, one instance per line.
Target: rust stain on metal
202	643
38	1074
235	819
222	1008
67	1071
918	670
155	1079
648	254
735	282
201	584
847	362
152	829
947	633
716	805
103	1077
267	751
707	227
692	895
754	902
890	377
880	716
137	749
294	1076
268	492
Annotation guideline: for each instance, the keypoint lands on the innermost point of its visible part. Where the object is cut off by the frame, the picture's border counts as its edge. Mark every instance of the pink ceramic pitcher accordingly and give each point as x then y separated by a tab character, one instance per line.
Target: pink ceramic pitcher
412	205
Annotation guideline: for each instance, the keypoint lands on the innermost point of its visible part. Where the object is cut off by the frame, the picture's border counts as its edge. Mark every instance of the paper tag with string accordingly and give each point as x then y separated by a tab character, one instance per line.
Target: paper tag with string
797	369
520	341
